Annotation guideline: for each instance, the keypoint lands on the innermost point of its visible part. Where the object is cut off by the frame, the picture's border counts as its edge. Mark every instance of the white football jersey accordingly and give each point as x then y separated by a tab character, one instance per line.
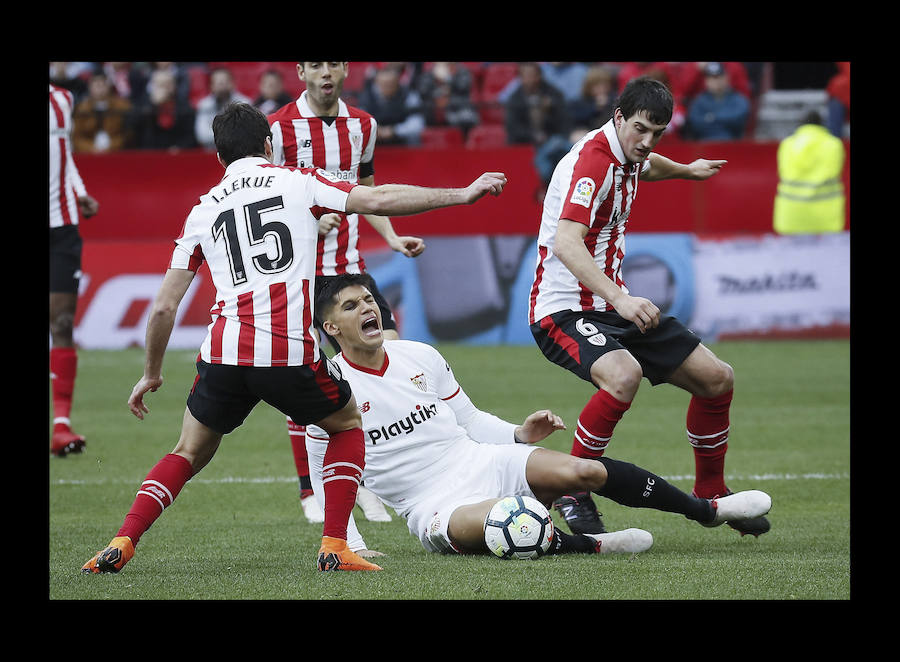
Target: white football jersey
257	230
409	427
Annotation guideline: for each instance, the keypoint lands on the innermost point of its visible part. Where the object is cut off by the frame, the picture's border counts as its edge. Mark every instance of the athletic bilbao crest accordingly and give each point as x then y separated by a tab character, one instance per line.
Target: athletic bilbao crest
419	381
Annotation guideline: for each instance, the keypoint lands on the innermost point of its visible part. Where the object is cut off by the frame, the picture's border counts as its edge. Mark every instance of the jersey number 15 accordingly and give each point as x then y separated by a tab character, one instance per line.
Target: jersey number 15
226	228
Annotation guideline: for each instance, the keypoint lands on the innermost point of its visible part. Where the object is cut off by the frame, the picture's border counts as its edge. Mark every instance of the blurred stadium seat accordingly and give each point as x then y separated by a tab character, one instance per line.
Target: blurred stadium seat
441	137
486	136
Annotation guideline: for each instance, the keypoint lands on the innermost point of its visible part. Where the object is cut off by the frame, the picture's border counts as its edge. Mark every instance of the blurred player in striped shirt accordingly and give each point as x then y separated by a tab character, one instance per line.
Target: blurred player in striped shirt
68	199
257	231
320	130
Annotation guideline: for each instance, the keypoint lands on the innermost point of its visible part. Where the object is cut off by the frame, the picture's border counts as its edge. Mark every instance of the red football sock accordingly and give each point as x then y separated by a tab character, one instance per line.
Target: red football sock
297	435
596	424
707	429
157	492
345	459
63	368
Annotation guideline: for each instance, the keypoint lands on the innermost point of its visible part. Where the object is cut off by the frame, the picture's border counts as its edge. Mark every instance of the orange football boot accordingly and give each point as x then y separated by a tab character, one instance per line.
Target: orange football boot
335	555
113	558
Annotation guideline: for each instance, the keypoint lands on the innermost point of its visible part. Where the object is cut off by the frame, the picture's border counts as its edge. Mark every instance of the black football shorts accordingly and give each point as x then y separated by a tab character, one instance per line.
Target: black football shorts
575	340
65	259
224	395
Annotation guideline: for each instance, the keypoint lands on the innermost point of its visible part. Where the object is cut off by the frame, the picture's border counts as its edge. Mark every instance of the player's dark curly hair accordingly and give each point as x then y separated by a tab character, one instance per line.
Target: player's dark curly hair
326	298
239	131
650	95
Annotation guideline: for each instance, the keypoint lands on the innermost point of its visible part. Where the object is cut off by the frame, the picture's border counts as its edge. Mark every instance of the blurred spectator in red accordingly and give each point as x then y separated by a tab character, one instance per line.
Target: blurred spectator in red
596	103
536	114
272	94
164	121
719	112
446	91
838	90
102	121
693	81
396	108
221	93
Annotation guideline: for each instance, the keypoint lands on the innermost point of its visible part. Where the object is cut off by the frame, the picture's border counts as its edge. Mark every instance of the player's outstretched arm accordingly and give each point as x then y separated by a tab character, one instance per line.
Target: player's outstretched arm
662	167
404	199
159	329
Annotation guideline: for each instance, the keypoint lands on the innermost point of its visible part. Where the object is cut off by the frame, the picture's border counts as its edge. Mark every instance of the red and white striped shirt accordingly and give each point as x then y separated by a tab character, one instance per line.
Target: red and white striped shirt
65	182
593	185
257	231
338	145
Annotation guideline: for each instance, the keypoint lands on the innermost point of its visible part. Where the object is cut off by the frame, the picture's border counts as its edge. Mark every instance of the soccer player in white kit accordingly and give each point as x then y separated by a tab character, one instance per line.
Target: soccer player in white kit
68	199
320	130
257	231
441	463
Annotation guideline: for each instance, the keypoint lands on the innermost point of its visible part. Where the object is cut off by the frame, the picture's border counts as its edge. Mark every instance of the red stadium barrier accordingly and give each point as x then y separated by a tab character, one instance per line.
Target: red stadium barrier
147	194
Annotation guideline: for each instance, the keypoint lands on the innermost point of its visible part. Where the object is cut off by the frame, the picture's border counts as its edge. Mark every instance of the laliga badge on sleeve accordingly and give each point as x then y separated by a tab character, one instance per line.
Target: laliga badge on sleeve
583	192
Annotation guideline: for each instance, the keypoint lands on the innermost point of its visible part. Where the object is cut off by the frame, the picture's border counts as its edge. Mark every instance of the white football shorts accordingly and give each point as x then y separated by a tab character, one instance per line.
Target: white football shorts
480	472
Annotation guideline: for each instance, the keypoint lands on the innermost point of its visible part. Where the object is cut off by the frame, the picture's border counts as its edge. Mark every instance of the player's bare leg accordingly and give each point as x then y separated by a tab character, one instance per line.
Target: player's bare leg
548	472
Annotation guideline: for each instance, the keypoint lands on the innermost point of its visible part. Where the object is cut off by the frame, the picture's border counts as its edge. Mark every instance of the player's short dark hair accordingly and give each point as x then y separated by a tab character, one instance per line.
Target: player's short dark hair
239	131
647	94
326	297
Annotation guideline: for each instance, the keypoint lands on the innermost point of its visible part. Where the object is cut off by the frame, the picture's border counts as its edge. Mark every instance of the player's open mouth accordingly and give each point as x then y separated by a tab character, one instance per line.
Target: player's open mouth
370	326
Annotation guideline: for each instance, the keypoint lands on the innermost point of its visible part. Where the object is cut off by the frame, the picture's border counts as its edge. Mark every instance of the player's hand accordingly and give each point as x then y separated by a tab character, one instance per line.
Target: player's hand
136	401
327	222
369	553
88	206
639	310
409	246
489	182
538	426
704	168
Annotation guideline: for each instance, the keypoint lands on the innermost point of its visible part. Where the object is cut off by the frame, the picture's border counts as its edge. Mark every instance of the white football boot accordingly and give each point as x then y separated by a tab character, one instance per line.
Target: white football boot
371	506
312	510
627	541
740	506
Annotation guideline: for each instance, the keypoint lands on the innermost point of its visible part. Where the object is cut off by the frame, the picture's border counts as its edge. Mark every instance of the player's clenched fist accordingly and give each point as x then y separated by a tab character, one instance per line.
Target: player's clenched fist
489	182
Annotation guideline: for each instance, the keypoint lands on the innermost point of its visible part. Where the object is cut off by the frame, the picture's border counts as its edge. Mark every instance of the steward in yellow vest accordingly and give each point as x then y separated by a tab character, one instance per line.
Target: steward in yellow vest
810	197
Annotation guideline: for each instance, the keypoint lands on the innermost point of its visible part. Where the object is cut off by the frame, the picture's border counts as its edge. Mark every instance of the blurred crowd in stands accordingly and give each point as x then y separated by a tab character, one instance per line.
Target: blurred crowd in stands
170	105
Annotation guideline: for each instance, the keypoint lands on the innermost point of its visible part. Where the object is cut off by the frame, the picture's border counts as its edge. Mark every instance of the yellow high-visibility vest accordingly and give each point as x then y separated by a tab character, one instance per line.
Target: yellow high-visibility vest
810	197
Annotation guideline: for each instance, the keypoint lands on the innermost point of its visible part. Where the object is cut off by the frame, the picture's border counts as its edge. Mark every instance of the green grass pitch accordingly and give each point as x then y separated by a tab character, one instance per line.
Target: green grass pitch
236	532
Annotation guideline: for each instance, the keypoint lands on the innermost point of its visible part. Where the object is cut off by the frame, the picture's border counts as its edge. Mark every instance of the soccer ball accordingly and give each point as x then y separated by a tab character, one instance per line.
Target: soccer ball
518	527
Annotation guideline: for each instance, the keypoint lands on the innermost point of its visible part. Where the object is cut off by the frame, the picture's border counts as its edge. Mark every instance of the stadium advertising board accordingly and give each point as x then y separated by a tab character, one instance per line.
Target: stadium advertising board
475	289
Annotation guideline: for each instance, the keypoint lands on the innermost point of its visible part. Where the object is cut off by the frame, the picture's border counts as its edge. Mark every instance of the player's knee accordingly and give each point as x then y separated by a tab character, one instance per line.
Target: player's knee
720	380
587	474
61	325
620	378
